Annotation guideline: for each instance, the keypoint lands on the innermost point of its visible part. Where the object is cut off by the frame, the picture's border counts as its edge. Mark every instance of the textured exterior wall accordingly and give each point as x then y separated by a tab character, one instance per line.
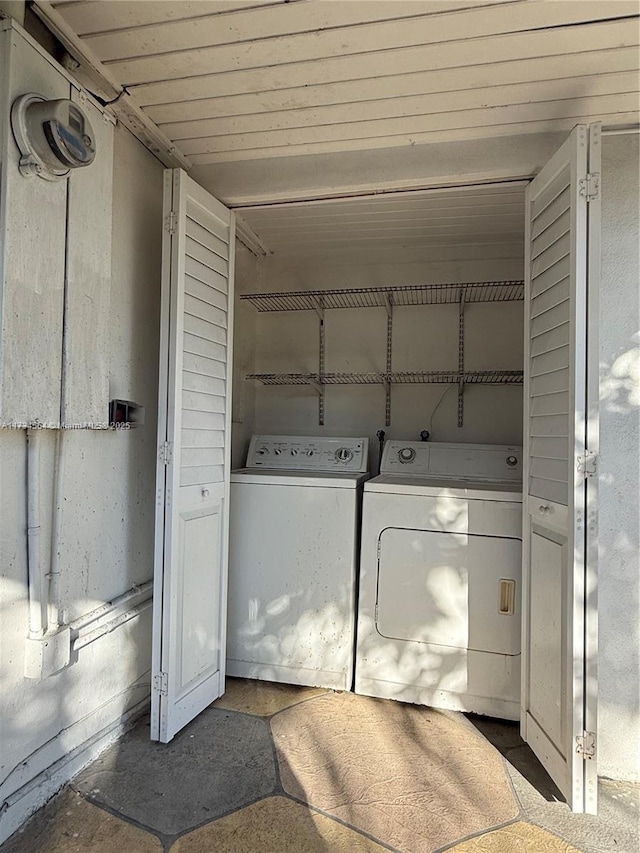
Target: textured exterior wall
619	467
107	518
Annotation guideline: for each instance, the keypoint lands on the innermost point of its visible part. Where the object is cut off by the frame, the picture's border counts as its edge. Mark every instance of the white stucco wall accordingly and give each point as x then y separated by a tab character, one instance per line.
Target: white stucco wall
107	520
619	465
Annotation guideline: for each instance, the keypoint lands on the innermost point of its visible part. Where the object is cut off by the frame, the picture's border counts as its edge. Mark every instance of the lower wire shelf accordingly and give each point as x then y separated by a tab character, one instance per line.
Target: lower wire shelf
438	377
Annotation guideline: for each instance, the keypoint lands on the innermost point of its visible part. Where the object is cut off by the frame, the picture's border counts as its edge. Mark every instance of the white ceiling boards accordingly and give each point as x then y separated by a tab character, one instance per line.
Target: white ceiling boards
486	216
233	83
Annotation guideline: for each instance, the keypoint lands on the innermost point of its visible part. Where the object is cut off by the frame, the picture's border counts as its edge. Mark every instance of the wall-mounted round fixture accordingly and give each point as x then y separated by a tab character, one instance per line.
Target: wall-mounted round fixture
53	136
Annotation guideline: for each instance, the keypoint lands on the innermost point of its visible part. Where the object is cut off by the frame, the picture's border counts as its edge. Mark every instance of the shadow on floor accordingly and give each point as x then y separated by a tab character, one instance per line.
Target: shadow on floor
505	736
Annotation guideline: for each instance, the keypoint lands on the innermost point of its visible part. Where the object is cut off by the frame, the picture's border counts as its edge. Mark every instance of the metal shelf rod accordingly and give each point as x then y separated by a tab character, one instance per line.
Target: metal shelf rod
319	386
387	383
461	360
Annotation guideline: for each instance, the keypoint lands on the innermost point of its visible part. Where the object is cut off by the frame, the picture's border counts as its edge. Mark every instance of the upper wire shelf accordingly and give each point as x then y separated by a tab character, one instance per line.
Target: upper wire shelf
374	297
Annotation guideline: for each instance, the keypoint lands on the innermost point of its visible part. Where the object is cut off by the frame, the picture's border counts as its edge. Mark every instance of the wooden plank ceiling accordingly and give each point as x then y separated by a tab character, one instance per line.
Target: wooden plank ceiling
236	82
484	219
241	80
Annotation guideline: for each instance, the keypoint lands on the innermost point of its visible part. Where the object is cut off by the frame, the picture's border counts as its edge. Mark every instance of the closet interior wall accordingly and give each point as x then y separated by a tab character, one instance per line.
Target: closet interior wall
425	338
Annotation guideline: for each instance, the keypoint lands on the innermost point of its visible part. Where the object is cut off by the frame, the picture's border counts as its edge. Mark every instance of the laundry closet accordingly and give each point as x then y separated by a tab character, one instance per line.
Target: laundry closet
394	318
418	317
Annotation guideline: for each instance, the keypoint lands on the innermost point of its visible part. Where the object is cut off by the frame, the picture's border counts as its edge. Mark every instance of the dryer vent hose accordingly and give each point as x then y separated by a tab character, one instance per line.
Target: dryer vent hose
380	436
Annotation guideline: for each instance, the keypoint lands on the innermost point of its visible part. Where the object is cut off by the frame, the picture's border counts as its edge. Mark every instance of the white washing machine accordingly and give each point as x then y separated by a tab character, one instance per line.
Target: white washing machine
293	560
440	578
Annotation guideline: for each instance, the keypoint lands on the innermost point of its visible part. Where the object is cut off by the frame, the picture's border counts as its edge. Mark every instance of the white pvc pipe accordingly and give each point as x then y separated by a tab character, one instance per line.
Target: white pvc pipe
144	591
108	627
53	575
620	131
36	626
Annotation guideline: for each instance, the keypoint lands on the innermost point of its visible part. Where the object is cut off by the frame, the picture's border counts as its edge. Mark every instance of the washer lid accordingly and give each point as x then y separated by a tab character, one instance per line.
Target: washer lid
301	479
390	484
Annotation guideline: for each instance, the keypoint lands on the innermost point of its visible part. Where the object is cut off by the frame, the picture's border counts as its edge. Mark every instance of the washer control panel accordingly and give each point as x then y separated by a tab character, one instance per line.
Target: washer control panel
482	462
302	453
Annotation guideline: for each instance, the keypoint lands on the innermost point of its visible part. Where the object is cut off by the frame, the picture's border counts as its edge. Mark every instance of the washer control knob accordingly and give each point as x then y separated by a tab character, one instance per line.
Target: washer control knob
294	451
310	452
277	451
344	454
512	461
263	450
406	454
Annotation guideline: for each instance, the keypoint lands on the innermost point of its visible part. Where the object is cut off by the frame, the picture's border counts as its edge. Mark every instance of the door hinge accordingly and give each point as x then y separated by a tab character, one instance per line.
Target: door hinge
586	745
590	186
587	464
166	452
171	222
161	683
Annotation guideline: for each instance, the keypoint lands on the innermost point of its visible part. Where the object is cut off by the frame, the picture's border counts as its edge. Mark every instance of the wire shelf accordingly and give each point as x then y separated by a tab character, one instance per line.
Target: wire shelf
494	377
378	297
314	378
438	377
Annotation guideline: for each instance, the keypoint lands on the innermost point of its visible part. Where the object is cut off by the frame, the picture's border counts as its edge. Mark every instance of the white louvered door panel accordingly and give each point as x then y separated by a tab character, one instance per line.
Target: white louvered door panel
557	682
194	421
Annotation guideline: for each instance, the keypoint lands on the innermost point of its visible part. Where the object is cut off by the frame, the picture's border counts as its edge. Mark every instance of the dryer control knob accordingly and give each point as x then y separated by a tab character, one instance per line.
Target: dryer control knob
406	454
263	450
277	451
344	454
294	451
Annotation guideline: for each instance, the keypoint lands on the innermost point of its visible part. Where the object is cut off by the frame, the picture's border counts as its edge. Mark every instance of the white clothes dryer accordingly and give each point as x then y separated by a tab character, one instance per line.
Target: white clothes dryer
293	560
440	578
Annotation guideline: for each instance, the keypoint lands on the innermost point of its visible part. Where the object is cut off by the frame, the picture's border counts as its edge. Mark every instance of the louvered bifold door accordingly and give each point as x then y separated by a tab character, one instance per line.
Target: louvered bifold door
554	679
192	496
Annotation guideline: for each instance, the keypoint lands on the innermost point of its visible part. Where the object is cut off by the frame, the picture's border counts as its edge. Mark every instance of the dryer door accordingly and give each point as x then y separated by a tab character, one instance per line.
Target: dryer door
445	589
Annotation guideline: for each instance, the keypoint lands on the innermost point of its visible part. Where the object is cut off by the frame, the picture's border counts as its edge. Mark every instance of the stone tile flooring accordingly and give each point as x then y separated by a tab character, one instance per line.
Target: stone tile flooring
278	769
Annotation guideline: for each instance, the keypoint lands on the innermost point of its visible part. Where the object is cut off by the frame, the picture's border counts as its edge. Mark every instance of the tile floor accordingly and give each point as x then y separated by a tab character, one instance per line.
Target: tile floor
279	769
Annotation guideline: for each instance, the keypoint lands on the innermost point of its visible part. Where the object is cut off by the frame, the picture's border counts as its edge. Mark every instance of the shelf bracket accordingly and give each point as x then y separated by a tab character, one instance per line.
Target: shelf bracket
318	307
387	381
461	359
319	386
388	298
387	393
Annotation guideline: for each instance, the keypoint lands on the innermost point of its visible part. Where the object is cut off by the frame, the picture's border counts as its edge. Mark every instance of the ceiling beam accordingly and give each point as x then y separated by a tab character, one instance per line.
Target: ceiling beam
97	79
248	237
